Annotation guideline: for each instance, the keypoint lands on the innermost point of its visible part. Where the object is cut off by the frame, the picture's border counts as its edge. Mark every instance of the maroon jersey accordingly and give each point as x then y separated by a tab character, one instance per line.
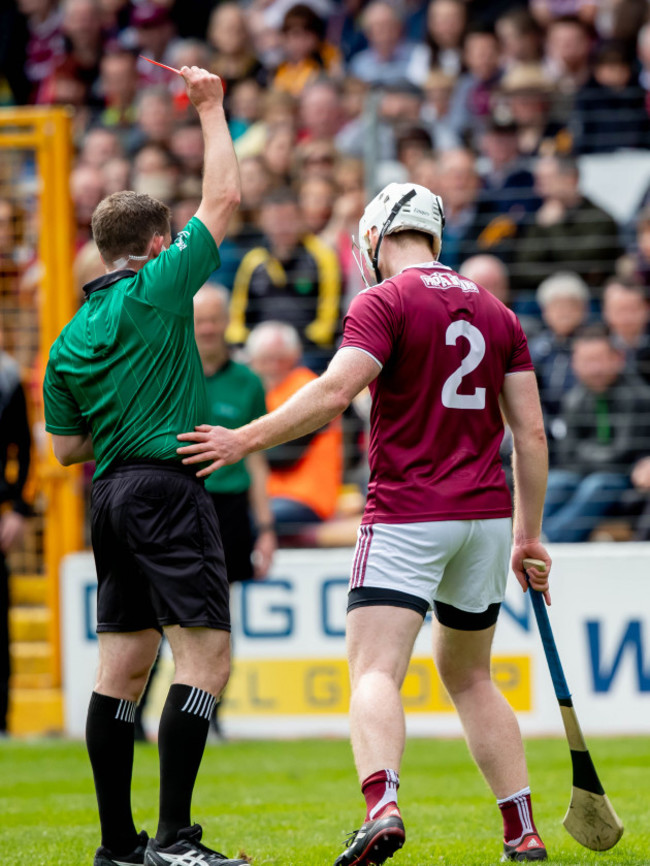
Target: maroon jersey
445	346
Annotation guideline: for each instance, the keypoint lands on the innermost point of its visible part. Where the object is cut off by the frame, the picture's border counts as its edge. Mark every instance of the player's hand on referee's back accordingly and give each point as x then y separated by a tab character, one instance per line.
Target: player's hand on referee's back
216	444
203	88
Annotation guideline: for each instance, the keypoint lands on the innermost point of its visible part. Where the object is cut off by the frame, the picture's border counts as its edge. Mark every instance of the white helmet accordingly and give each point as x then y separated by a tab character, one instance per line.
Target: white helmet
400	207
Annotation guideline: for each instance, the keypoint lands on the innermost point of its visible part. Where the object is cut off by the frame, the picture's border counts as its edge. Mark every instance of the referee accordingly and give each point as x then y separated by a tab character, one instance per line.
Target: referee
123	378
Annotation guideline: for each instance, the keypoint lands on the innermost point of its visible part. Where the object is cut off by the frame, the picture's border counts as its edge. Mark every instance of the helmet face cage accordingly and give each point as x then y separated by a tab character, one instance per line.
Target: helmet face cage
400	207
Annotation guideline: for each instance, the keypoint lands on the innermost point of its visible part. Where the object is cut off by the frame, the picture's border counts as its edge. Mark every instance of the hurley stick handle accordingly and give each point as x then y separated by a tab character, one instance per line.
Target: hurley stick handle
539	564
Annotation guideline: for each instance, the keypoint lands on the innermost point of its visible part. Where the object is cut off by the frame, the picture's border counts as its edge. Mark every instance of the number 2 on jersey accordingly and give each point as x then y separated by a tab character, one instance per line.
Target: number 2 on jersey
450	396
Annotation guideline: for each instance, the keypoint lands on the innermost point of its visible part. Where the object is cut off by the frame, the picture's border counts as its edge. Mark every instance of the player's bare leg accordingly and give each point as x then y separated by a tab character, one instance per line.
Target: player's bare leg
379	645
379	641
492	732
463	662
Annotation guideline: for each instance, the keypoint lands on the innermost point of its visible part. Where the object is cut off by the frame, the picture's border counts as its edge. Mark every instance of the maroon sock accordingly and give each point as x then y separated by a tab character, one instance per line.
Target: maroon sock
379	789
517	813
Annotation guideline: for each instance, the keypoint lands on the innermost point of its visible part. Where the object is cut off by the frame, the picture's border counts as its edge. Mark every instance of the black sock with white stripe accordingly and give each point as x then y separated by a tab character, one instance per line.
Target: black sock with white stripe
109	738
181	740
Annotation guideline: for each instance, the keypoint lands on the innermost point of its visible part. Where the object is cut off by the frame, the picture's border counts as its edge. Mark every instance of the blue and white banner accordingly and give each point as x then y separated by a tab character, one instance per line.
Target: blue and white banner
289	671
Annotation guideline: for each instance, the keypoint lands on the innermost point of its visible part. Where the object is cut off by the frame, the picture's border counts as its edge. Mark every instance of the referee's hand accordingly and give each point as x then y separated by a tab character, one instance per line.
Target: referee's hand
203	88
218	445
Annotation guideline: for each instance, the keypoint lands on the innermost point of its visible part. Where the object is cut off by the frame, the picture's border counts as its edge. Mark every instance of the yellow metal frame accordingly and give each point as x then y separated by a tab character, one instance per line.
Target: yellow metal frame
48	132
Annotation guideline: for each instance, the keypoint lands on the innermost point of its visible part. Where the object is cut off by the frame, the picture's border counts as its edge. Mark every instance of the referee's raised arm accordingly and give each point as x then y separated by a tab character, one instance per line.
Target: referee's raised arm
221	184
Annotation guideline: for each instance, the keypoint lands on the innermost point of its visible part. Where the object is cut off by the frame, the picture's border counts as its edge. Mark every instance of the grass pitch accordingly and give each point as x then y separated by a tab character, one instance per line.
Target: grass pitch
291	803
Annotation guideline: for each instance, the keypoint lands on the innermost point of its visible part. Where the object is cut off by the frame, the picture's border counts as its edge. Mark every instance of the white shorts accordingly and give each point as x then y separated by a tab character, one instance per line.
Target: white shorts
461	563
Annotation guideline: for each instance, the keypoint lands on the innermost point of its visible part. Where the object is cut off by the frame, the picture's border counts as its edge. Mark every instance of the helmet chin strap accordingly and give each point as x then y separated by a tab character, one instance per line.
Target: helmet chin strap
391	216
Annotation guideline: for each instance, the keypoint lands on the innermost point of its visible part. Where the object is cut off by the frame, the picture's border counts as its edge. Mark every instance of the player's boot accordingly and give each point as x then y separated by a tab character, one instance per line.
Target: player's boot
375	841
531	847
187	849
105	857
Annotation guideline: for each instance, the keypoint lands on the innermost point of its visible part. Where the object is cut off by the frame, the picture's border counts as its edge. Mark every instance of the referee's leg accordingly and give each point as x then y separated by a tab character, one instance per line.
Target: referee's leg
202	667
125	659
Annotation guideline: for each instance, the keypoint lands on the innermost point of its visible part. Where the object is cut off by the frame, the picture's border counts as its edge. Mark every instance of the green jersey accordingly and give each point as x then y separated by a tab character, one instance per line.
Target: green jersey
126	367
235	397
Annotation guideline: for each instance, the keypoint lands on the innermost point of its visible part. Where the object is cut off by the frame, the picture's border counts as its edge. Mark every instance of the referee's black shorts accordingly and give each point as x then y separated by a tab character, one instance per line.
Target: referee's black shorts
157	550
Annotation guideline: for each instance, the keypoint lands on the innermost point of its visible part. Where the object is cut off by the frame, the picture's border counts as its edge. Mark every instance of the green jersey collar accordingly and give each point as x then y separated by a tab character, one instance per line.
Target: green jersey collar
107	280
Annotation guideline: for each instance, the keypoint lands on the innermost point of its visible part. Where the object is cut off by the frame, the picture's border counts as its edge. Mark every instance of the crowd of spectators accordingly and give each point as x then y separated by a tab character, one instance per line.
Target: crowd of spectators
495	106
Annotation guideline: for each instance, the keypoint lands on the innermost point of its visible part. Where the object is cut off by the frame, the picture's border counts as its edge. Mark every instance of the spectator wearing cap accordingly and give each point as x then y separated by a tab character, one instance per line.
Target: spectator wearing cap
390	57
570	232
307	54
526	94
563	299
610	110
473	95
